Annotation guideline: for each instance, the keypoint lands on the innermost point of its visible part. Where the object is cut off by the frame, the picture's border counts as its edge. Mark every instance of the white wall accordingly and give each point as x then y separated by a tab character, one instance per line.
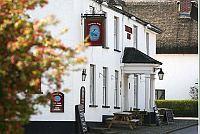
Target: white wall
181	72
69	14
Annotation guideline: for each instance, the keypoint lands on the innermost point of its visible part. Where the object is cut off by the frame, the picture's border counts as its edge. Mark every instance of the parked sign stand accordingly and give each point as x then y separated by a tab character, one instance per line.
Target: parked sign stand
157	116
169	116
82	97
80	119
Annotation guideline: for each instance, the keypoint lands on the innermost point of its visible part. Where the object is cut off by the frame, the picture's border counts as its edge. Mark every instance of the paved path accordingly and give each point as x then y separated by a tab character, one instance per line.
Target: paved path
189	130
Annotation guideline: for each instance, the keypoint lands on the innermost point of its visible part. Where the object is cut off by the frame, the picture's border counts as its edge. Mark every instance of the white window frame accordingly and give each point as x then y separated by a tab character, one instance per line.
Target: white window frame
116	33
135	36
116	90
147	43
105	86
92	84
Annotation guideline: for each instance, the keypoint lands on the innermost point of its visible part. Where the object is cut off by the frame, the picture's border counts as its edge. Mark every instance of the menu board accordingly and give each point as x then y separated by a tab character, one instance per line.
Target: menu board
80	119
82	97
157	116
57	102
169	115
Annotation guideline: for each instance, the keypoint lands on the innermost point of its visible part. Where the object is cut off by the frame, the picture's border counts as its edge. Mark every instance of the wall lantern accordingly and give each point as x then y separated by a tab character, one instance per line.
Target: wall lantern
160	73
84	74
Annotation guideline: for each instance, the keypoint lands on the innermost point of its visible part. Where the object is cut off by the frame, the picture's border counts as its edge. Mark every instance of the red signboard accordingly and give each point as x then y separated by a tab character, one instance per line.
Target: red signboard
95	30
128	29
57	102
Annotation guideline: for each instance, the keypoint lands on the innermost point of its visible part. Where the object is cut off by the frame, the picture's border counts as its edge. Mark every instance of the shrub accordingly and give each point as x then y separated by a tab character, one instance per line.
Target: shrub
181	108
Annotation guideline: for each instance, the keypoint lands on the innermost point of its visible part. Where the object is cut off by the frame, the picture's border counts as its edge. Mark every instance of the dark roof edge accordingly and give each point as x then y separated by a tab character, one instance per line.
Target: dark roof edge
153	28
153	61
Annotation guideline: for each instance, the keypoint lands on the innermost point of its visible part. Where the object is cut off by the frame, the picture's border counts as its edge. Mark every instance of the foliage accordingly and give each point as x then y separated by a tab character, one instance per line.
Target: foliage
181	108
194	92
28	53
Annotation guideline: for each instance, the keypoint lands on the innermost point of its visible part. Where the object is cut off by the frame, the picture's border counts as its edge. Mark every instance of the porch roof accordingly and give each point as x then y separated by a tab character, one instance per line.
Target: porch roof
132	55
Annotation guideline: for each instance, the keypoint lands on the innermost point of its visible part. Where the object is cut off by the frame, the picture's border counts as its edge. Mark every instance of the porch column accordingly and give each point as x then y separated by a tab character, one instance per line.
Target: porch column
147	92
152	91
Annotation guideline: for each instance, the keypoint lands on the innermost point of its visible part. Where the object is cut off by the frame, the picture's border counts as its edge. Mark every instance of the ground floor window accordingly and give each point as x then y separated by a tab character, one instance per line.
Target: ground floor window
160	94
92	85
116	90
105	87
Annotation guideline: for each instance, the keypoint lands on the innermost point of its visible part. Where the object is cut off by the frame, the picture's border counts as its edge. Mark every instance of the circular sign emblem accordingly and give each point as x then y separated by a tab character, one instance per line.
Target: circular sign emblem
94	33
57	98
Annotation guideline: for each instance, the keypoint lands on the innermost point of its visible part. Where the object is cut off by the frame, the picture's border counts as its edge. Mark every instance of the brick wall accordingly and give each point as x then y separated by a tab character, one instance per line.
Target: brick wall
179	34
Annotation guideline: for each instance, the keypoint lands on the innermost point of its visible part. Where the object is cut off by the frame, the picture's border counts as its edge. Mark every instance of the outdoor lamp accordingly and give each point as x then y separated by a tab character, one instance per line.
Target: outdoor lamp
83	74
160	74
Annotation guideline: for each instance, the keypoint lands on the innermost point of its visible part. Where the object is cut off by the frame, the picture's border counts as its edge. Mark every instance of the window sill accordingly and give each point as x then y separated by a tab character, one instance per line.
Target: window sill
93	105
105	47
117	50
116	107
105	106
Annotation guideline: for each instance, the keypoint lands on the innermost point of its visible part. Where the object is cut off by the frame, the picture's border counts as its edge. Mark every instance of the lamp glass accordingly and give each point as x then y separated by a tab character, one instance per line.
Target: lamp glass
160	74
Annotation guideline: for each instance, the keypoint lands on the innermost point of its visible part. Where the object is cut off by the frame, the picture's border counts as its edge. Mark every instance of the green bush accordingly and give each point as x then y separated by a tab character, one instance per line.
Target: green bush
181	108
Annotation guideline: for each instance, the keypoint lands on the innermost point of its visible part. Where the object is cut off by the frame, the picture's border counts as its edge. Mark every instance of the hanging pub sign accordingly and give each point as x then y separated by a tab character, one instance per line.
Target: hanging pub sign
95	30
57	102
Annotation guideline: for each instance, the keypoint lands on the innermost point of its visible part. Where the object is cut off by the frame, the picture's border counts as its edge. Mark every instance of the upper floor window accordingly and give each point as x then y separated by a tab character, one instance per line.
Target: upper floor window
116	33
147	43
135	30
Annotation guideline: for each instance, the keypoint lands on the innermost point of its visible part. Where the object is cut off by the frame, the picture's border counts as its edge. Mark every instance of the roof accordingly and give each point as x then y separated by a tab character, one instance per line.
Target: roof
180	34
132	55
111	5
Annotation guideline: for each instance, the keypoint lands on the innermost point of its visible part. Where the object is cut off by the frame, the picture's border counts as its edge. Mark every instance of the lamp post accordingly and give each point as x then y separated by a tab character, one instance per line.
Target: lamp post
84	74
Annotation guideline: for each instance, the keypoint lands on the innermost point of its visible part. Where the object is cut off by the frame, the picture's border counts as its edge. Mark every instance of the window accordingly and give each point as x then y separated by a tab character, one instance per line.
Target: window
116	90
135	36
92	85
105	86
116	33
159	94
147	43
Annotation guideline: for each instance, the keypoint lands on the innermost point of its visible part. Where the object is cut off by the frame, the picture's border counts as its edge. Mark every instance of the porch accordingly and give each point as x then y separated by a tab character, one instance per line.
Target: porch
138	80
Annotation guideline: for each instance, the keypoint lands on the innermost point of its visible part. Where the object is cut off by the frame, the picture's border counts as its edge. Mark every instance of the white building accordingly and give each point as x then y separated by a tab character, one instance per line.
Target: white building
120	70
177	46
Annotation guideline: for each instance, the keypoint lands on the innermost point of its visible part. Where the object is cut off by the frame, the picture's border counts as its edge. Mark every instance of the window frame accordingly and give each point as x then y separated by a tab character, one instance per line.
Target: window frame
147	42
116	90
156	94
92	86
135	36
105	87
116	33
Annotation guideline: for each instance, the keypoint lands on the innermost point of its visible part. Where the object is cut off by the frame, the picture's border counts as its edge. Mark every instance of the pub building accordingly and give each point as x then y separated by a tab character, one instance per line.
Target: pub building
120	71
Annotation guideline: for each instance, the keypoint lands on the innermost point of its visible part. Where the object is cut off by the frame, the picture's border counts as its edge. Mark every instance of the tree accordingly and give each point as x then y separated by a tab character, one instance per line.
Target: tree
194	92
28	52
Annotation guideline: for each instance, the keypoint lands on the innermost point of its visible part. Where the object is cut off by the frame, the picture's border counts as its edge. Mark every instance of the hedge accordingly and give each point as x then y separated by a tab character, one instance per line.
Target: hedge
181	108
